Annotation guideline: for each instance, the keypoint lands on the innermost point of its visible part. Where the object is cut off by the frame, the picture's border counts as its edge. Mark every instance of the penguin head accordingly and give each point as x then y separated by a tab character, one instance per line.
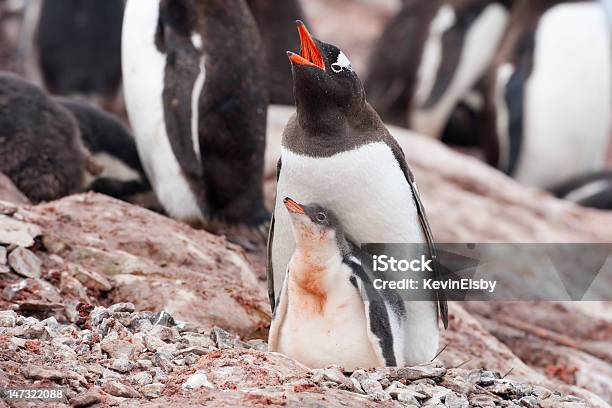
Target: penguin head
323	77
314	227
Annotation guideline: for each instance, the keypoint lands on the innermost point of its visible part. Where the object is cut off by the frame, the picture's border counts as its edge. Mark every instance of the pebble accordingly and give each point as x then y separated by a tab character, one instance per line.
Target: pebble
163	318
3	254
93	396
15	232
143	378
122	307
118	389
152	390
118	348
8	318
222	339
25	263
196	381
42	373
123	365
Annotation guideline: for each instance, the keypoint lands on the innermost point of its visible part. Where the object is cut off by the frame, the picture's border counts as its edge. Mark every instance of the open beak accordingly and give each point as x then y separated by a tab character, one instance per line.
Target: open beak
292	206
309	54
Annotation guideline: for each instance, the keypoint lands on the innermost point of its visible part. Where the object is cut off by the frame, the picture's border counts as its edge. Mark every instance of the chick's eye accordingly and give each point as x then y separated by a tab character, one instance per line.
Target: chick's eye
321	217
336	67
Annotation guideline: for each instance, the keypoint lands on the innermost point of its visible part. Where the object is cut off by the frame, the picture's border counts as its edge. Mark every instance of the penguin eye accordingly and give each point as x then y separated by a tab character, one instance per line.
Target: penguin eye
336	67
321	217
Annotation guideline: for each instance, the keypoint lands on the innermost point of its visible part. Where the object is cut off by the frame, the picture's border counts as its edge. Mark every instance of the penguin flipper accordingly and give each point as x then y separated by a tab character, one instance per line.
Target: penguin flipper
399	155
278	317
379	312
269	266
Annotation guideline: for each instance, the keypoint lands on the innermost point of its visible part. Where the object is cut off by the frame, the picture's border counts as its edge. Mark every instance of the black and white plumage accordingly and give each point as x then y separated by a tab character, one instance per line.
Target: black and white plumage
589	190
195	88
329	312
547	94
112	147
337	152
430	56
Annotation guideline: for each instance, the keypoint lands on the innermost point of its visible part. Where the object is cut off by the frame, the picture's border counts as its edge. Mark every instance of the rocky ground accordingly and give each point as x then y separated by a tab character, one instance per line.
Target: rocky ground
124	306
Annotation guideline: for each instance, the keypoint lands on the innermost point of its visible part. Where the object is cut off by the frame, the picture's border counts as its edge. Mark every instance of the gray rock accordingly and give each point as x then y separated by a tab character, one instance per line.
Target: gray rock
122	365
483	377
164	333
3	254
257	344
162	360
196	380
317	375
107	373
152	390
144	364
482	401
42	373
8	318
453	400
7	208
118	349
142	378
118	389
163	318
141	325
336	375
90	279
93	396
418	372
122	307
222	338
153	343
407	397
158	374
528	401
15	232
25	263
4	270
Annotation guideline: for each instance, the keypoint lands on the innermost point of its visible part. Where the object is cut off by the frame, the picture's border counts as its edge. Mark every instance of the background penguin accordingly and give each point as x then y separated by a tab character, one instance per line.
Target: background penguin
40	146
112	147
276	22
337	152
329	312
195	88
589	190
428	58
547	94
77	46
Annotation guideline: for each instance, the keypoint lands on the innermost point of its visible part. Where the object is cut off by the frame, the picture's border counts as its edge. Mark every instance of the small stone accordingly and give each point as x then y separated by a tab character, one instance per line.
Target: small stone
93	396
336	375
257	344
395	388
453	400
152	390
163	318
153	343
317	375
90	279
122	365
7	208
482	401
356	387
25	263
122	307
41	373
15	232
371	386
3	254
162	360
118	389
164	333
196	381
143	378
222	339
8	318
407	397
418	372
158	374
141	325
483	377
4	269
118	348
528	401
144	364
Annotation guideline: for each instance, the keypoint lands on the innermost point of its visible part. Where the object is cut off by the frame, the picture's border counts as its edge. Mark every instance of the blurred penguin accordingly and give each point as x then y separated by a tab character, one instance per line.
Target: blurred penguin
429	57
114	149
40	146
548	92
590	190
276	22
75	47
195	87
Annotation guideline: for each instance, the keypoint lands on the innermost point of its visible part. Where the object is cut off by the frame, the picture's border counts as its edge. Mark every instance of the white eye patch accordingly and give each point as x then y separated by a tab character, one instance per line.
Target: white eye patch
341	63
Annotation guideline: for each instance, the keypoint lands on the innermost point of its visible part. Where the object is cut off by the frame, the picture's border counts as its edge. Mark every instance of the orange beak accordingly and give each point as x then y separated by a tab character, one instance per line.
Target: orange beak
292	206
310	54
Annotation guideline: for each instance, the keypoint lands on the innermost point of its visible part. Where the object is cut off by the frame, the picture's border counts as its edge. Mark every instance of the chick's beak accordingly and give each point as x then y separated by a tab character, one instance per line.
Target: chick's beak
310	53
292	206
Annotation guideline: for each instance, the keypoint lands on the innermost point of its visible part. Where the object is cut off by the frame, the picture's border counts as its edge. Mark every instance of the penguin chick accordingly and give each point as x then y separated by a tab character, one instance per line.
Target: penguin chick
40	146
113	147
329	312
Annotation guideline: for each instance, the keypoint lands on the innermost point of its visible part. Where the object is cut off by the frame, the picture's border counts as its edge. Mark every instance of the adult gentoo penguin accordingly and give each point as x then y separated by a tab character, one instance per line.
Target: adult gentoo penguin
77	45
328	311
429	57
195	90
337	152
275	20
547	97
